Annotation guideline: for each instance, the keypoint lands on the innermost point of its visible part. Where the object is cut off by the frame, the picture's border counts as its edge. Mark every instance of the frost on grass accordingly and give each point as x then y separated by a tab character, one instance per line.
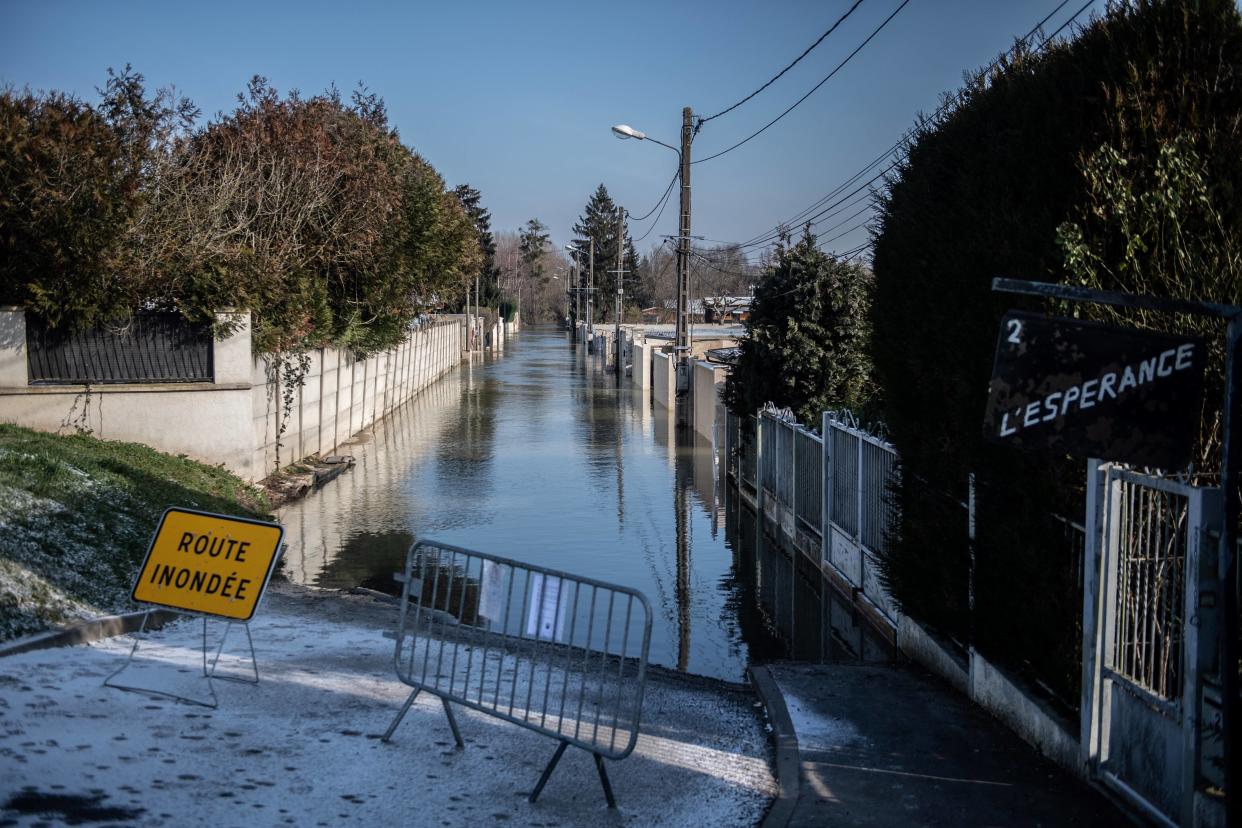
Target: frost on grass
76	514
61	559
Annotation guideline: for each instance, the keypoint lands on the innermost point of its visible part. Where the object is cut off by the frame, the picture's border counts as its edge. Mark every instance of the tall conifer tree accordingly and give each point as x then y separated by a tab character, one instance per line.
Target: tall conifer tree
599	222
471	201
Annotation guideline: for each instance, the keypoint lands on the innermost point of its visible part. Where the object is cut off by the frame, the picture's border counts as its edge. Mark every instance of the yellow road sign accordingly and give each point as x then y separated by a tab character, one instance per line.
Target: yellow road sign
210	564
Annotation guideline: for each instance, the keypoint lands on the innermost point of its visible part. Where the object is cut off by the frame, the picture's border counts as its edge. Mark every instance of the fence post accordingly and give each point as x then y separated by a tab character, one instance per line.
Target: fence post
858	515
793	479
759	495
970	575
825	492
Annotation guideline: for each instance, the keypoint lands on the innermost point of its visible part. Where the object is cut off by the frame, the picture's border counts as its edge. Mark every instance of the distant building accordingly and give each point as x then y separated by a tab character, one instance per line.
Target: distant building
726	308
667	314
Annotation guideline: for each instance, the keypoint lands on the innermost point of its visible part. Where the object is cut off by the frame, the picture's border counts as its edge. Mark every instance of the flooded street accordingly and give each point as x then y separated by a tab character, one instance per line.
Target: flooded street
536	454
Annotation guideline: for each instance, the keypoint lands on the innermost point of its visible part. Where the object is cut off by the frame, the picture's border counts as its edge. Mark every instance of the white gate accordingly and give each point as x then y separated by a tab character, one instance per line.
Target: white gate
1148	548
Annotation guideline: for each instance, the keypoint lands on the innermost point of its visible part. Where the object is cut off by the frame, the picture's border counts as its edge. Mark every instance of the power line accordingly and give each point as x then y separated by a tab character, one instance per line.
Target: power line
1073	17
662	198
796	103
774	233
820	245
663	204
777	77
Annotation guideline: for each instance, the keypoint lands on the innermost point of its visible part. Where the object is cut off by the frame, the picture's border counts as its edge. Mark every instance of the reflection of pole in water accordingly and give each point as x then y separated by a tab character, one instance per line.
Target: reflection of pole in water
616	451
681	510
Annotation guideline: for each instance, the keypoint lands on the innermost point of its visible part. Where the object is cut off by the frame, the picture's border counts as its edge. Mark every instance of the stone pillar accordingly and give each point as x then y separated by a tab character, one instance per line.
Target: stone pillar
14	371
231	357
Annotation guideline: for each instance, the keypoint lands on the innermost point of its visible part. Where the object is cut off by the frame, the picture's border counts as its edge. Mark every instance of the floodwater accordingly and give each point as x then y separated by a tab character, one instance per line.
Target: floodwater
536	454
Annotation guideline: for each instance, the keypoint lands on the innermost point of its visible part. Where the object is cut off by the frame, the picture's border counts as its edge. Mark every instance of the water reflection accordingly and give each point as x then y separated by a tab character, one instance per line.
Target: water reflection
538	455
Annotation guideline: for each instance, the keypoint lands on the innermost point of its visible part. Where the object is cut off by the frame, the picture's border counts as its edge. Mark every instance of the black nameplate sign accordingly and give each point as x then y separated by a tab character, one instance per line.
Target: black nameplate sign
1095	390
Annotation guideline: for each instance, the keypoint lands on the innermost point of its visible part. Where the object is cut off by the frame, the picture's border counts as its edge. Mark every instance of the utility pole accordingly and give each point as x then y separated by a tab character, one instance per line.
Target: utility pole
479	341
590	297
682	342
620	271
571	296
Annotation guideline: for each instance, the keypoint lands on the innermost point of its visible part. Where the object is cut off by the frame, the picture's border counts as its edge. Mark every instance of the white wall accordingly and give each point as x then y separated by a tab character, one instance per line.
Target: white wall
663	380
707	381
205	421
640	373
235	419
341	395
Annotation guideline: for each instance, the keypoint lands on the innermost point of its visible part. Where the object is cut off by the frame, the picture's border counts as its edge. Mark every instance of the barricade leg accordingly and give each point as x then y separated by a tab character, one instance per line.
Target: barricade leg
547	772
448	711
254	661
603	780
401	714
111	681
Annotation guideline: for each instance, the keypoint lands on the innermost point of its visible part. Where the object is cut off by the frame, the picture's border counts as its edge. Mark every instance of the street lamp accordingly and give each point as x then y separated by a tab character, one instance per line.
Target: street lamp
625	132
681	346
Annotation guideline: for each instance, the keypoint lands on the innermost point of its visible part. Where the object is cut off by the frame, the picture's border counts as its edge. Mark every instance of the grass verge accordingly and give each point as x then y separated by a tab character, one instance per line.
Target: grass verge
77	513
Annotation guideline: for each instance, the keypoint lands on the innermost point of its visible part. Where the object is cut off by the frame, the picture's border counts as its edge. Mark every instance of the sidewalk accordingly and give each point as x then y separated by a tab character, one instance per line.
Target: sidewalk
890	746
302	747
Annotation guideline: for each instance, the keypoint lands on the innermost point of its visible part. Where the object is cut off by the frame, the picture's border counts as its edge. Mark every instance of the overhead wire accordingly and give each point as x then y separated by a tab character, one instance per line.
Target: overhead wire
774	233
662	198
656	223
778	75
815	88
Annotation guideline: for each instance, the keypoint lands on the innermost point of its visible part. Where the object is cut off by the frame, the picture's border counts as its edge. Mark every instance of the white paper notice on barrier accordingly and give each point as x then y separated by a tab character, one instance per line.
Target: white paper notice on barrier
546	618
492	597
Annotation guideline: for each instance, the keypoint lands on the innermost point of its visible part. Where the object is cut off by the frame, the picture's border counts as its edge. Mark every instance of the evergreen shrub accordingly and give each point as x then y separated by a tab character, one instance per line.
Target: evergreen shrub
1007	183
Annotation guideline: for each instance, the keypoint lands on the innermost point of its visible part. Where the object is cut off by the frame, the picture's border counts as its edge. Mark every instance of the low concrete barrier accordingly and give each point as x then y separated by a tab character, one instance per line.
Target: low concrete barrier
707	380
663	380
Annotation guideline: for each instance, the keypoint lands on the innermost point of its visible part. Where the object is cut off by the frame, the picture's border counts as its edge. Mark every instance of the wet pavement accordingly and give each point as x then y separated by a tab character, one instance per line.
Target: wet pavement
302	747
885	745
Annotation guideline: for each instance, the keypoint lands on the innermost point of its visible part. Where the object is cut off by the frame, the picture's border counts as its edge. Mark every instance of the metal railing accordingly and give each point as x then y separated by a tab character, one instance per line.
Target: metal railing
149	348
560	654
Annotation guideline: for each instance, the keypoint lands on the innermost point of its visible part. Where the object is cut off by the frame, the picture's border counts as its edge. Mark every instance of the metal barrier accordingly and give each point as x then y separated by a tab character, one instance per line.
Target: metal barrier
560	654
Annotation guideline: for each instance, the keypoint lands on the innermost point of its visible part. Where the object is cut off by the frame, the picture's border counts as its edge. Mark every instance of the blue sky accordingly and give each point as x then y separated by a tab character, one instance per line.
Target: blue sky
517	98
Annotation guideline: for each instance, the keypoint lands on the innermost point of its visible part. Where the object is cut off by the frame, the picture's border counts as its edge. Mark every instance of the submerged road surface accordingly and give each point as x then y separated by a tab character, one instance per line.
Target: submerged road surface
537	454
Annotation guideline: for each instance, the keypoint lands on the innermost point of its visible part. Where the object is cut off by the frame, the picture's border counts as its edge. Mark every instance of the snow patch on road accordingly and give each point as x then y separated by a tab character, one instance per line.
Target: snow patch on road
303	748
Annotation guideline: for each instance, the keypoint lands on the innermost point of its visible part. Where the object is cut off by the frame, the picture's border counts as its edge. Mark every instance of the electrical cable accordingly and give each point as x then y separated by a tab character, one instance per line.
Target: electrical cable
772	234
777	77
663	204
796	103
661	199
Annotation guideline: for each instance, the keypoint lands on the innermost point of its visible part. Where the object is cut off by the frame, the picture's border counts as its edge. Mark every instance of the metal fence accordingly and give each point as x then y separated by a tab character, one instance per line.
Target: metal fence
151	347
861	473
837	485
559	654
807	467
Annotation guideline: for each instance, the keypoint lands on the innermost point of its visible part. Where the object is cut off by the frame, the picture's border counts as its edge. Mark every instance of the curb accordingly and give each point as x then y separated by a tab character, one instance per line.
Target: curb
785	741
84	632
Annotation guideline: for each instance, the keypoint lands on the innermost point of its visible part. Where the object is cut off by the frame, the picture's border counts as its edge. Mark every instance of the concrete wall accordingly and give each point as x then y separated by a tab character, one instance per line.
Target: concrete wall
205	421
663	380
236	419
640	370
341	395
706	381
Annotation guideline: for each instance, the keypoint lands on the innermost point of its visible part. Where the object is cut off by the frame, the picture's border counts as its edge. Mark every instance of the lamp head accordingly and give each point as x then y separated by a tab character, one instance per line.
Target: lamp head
626	131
